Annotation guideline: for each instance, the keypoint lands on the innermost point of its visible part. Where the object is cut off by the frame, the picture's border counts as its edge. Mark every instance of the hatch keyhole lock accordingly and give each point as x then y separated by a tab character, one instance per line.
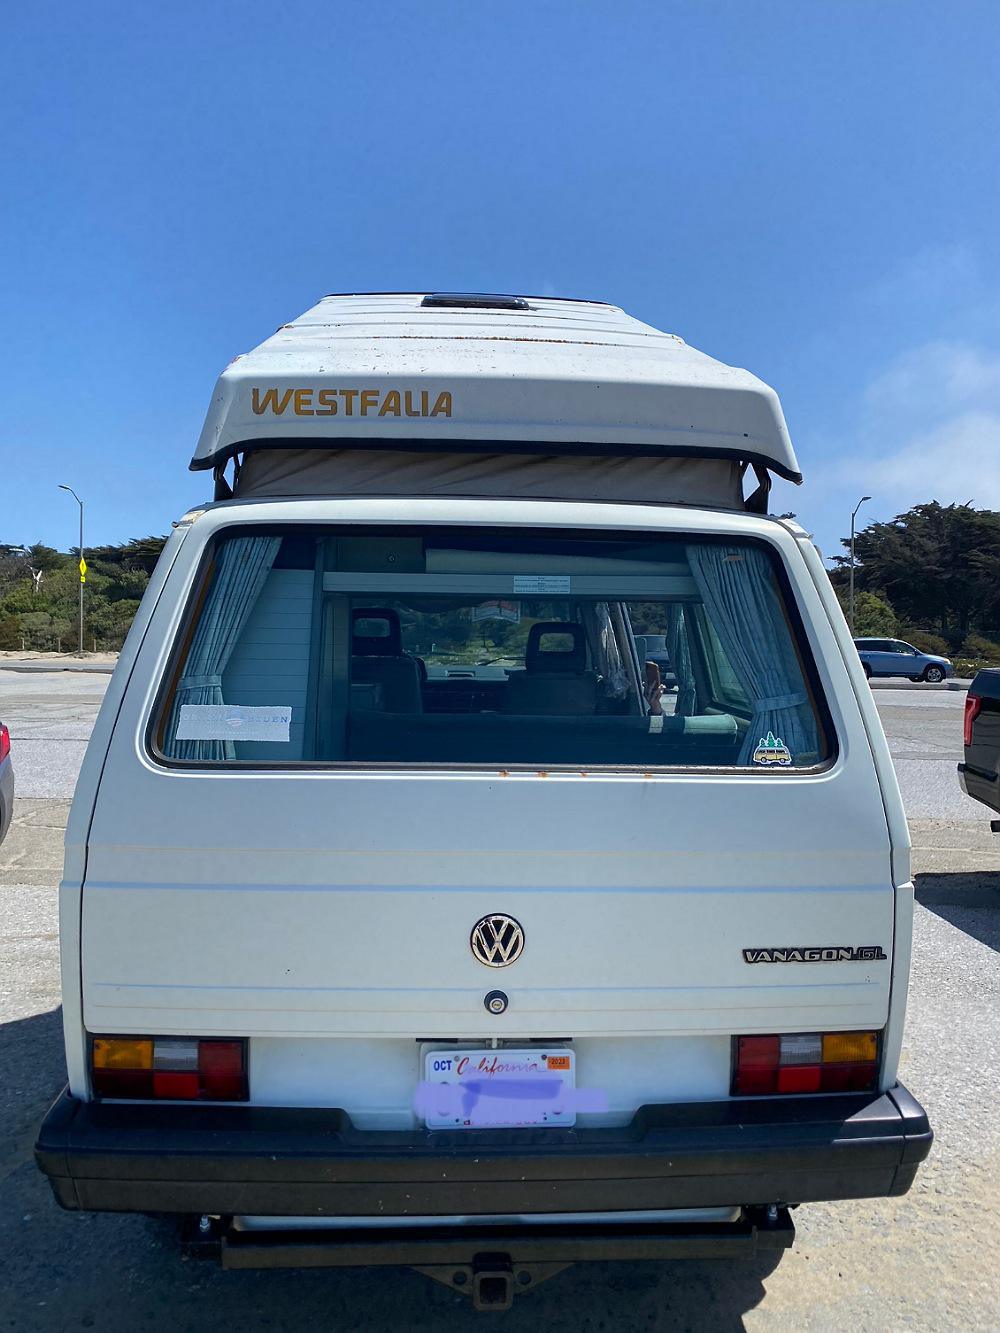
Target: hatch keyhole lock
496	1002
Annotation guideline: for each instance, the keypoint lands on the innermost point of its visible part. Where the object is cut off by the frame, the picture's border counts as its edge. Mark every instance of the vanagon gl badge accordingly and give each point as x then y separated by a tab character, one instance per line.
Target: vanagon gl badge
497	940
819	953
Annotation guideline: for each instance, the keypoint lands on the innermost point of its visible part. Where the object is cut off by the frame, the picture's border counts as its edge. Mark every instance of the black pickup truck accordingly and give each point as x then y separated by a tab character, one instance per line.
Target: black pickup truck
980	774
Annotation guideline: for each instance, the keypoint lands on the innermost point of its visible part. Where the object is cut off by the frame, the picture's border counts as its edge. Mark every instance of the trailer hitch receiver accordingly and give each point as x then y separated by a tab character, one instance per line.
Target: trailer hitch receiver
493	1285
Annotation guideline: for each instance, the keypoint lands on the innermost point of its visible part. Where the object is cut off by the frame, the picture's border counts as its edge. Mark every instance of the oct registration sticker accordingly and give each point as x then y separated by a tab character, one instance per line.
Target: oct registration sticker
497	1089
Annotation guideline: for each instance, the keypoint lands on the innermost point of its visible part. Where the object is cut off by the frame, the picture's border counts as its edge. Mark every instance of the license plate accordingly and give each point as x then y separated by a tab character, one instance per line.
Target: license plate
501	1089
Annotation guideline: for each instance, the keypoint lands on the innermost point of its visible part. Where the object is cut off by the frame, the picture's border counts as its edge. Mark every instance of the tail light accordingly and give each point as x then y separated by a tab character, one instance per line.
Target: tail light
169	1068
4	742
973	703
805	1062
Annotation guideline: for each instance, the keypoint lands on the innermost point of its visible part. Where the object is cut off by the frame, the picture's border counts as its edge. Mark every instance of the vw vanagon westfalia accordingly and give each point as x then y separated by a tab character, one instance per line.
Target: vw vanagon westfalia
411	915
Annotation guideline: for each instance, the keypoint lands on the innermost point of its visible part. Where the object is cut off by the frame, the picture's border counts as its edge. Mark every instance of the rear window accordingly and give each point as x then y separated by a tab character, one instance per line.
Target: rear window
490	648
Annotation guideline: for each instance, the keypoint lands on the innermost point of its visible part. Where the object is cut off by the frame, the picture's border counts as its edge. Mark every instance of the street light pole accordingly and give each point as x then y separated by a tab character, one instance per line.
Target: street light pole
80	503
850	614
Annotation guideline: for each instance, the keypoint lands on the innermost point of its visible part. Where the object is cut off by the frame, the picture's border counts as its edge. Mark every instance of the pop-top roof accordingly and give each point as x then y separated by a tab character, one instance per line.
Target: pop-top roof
557	376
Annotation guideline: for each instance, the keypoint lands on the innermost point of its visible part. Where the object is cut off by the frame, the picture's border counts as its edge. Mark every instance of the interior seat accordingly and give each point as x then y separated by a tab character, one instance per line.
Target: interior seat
377	658
555	681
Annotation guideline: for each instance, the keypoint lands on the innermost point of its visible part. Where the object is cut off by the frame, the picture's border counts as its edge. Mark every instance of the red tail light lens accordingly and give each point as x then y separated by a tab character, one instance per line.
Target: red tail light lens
799	1078
973	703
175	1086
756	1065
805	1062
169	1068
4	742
222	1070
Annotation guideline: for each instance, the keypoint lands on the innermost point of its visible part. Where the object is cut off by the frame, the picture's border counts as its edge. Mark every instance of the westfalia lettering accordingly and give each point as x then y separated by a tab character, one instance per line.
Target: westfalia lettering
350	402
834	953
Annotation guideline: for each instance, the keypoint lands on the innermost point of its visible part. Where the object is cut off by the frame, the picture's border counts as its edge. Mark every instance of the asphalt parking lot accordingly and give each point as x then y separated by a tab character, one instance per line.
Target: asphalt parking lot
927	1261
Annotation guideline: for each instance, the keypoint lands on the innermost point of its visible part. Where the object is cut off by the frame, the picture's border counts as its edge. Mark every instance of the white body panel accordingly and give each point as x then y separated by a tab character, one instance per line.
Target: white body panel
325	913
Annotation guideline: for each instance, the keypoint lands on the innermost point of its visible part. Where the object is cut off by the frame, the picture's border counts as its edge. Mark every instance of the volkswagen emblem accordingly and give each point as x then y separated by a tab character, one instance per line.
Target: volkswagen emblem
497	940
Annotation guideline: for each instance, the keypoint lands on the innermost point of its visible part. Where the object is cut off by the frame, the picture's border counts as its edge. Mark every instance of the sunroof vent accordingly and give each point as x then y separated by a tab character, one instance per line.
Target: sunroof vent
475	300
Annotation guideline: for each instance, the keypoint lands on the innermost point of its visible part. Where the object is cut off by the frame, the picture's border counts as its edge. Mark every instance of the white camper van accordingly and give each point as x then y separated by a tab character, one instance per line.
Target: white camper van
408	917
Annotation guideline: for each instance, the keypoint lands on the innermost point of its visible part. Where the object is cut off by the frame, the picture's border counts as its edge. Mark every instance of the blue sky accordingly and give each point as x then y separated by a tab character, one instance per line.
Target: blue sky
810	190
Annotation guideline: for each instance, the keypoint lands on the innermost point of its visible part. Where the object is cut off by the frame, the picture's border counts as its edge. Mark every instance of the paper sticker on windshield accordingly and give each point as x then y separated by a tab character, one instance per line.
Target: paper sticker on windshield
772	751
544	583
233	722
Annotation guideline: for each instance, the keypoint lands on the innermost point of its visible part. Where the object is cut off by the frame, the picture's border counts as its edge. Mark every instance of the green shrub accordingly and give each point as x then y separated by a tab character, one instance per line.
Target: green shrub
873	615
44	632
108	623
10	632
976	647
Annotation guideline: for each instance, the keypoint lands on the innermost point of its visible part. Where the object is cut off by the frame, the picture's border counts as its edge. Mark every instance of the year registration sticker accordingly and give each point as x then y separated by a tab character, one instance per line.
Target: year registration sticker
499	1089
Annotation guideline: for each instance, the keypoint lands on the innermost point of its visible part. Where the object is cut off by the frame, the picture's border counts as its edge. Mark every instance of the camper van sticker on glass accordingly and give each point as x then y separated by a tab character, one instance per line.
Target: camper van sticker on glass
233	722
497	609
772	751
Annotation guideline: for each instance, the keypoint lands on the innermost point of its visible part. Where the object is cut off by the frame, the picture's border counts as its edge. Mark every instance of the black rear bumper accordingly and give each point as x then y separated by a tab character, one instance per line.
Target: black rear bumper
980	785
226	1160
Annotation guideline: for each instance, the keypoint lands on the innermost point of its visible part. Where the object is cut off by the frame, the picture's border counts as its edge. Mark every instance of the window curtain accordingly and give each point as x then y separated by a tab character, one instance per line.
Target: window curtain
242	565
741	600
597	618
679	649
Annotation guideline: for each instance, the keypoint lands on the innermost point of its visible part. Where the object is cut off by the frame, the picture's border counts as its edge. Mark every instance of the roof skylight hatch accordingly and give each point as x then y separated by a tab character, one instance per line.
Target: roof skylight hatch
475	301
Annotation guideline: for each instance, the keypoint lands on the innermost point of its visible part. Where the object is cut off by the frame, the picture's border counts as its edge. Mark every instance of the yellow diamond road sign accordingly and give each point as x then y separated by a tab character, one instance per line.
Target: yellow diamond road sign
83	570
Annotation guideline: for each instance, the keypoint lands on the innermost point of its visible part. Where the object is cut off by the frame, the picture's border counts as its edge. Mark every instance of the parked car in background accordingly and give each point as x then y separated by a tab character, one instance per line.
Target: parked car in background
894	657
6	782
980	774
653	648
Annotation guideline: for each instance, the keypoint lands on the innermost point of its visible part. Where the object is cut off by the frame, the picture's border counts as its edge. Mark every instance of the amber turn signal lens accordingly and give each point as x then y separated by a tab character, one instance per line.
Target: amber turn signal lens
854	1047
123	1053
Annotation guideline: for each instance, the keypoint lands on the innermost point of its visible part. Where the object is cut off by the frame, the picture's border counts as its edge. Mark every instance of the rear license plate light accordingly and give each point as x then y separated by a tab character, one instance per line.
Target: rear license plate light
802	1062
186	1069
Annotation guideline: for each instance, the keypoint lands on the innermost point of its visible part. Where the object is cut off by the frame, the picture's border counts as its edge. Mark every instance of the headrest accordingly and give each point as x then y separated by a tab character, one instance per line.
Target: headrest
376	632
556	645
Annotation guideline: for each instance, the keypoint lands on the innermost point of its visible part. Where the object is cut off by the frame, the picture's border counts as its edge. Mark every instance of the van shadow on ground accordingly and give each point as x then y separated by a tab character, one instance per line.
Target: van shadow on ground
116	1274
969	900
